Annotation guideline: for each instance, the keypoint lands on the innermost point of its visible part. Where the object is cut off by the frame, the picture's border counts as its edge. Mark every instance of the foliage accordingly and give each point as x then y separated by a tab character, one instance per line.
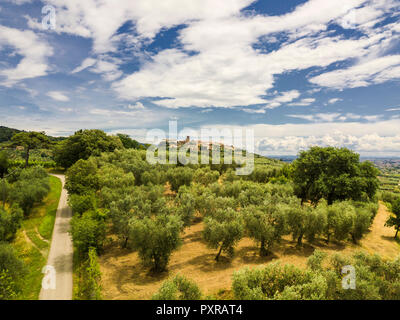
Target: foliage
83	144
155	239
30	140
88	231
205	176
223	230
10	222
4	163
178	288
394	219
31	187
12	272
375	279
265	224
333	174
179	176
129	143
82	177
82	203
89	287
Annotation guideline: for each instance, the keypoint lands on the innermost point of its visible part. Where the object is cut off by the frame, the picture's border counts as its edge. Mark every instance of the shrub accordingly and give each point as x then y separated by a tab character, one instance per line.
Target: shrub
10	222
12	272
178	288
89	287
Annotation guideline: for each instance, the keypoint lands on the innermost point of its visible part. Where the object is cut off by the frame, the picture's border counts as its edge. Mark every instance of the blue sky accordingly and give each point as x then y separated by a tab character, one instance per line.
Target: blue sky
297	72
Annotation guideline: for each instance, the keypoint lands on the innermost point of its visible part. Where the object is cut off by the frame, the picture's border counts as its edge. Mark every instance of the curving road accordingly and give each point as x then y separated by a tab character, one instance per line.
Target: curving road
61	254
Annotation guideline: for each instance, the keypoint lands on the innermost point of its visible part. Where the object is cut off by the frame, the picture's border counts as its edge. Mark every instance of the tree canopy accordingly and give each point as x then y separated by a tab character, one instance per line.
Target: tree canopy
333	174
30	140
83	144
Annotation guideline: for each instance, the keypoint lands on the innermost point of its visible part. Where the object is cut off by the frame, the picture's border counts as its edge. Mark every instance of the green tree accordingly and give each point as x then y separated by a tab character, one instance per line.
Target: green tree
82	203
265	224
89	287
304	221
30	140
333	174
339	220
394	220
129	143
223	230
87	232
31	187
4	163
10	222
12	272
178	288
121	212
82	177
83	144
156	238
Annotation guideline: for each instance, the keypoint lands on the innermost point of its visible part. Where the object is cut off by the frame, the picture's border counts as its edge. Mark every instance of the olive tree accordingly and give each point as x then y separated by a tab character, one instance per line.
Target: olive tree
178	288
265	224
155	238
394	220
223	230
10	222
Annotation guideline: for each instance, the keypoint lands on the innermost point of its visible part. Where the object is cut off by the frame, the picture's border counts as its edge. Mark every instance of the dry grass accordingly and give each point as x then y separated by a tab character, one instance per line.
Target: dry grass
124	278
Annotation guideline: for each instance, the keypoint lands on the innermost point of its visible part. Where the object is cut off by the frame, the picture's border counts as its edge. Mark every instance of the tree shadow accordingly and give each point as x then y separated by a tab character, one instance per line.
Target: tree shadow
251	255
207	262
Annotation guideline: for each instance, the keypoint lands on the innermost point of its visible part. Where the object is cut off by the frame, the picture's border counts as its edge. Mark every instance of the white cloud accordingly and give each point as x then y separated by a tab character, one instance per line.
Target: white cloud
58	96
362	75
381	137
85	64
334	100
33	50
303	102
137	106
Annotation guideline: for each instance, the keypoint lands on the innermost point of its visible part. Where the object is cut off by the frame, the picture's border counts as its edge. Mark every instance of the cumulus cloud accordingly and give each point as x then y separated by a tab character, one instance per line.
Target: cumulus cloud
33	50
380	137
58	96
223	38
374	71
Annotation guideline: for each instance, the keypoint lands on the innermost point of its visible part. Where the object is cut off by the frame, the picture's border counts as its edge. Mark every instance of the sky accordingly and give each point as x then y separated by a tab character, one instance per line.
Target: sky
297	72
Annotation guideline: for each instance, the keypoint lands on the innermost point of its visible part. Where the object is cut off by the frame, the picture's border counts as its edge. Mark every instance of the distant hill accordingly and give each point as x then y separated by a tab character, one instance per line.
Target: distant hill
7	133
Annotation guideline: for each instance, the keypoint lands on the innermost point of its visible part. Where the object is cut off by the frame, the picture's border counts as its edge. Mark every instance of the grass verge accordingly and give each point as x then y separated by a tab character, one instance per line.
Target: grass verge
32	242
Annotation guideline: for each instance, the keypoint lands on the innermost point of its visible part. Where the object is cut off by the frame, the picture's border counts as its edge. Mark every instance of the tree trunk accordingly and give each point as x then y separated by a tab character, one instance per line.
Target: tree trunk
300	240
353	238
219	253
125	243
328	238
27	157
397	232
263	251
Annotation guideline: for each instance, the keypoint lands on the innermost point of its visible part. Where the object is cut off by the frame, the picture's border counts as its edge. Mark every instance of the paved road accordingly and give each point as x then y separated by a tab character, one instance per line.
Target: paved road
61	253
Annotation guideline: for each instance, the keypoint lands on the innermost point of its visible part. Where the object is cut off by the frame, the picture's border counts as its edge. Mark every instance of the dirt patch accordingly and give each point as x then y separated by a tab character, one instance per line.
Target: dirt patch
124	278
